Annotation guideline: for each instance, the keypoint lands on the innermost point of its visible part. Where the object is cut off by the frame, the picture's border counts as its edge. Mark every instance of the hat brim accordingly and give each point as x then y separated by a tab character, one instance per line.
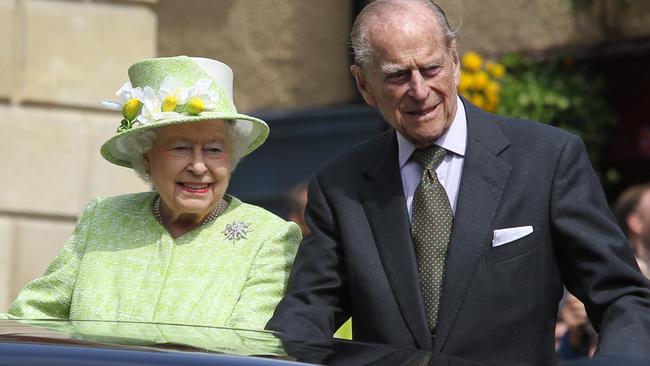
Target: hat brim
258	133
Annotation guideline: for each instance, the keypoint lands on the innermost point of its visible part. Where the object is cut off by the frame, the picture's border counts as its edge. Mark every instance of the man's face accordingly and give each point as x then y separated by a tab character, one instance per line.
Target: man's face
412	78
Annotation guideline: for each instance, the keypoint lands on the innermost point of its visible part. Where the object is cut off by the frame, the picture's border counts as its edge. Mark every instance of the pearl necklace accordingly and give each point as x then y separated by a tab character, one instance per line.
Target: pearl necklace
211	216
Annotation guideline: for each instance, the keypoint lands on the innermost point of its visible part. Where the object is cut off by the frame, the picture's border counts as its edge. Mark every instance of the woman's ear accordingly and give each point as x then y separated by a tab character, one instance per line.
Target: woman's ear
145	161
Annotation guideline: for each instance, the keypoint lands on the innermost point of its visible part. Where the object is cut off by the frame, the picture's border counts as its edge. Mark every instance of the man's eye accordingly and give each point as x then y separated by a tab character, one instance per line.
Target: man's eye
397	77
431	71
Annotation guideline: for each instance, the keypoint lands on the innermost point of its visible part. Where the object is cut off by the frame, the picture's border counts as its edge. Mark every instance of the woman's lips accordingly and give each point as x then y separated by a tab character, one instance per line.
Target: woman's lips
195	187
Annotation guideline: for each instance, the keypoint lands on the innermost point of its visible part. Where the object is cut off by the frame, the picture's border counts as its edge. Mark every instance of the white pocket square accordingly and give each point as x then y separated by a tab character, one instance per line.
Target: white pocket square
504	236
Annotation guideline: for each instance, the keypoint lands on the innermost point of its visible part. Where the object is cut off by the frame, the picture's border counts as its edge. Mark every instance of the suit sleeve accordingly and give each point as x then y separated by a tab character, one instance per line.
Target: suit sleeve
596	261
316	303
267	279
50	296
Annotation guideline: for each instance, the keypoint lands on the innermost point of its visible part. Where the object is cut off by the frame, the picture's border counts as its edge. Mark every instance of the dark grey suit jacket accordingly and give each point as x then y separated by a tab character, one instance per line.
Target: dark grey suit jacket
498	304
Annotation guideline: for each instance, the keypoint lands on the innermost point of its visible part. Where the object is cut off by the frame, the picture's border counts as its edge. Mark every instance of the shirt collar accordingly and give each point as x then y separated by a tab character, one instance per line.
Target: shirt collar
454	139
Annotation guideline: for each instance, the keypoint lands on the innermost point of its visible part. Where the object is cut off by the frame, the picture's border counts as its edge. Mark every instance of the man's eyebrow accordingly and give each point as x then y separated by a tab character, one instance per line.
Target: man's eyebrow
391	68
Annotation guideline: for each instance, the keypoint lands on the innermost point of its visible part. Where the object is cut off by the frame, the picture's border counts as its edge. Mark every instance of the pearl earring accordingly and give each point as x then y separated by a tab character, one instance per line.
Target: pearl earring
146	177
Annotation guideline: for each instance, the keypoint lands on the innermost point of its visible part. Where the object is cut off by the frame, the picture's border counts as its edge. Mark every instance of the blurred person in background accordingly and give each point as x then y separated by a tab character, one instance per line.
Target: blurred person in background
296	203
578	339
186	252
632	210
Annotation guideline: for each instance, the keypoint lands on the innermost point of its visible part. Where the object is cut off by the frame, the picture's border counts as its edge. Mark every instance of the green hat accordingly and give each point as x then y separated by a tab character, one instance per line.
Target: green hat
171	90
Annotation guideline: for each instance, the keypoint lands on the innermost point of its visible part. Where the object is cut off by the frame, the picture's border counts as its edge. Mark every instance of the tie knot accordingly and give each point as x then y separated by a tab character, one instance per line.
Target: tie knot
430	157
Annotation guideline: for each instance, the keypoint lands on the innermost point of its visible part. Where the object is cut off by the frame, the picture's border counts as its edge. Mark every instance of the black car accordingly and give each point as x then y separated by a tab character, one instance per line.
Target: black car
60	342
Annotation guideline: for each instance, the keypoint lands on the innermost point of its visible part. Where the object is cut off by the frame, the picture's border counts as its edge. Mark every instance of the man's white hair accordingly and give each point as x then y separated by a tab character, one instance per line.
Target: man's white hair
359	34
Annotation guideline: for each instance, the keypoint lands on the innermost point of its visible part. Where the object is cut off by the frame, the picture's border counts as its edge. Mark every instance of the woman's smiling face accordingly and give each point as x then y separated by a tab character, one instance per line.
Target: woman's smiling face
189	165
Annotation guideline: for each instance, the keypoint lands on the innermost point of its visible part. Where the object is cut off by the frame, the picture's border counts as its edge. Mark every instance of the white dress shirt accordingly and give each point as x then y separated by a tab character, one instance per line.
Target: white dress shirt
454	140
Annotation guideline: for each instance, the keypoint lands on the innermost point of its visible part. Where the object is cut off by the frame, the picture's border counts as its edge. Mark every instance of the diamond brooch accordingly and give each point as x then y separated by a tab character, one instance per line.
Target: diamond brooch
236	230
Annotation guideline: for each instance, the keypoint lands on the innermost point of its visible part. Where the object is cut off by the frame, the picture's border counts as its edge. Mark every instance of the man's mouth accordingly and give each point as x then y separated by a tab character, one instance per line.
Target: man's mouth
421	112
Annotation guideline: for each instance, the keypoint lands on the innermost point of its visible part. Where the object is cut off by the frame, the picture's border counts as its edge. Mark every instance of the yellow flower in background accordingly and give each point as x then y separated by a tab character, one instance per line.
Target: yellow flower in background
480	81
493	91
490	106
472	61
466	82
495	69
478	100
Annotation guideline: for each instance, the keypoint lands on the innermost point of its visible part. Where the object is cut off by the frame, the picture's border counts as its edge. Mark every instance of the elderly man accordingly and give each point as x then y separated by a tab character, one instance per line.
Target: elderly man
456	229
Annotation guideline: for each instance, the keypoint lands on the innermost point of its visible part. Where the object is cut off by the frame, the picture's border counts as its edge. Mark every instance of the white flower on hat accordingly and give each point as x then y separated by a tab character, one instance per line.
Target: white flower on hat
172	94
201	98
152	108
131	100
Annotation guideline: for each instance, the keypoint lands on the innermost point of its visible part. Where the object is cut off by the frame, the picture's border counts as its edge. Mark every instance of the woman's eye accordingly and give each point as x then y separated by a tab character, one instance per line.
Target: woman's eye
213	149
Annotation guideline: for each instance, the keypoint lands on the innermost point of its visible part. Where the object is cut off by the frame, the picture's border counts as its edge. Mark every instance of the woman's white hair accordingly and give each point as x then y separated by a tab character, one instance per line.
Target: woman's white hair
133	147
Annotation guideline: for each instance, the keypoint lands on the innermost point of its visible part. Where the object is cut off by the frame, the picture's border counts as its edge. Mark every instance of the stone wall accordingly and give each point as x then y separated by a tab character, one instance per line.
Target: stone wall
498	26
58	60
284	53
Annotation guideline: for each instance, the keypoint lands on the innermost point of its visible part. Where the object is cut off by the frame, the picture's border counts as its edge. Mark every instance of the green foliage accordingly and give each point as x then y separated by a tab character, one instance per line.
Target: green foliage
559	93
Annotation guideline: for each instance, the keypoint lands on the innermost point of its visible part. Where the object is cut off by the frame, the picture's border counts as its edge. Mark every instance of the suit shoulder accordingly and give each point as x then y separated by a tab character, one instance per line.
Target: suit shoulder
357	156
532	133
521	126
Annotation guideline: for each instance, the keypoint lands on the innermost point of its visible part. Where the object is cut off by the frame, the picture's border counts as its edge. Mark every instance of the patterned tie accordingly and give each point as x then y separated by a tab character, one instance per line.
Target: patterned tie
431	228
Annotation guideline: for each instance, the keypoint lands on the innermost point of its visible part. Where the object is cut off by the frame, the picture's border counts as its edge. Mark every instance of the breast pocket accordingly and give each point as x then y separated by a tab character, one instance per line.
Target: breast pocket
512	250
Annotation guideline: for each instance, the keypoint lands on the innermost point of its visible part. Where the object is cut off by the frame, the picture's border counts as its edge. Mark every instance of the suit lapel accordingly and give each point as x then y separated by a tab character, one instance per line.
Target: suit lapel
385	206
482	184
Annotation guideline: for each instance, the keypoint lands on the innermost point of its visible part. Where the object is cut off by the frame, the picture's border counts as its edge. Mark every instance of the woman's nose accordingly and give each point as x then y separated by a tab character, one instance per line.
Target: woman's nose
197	165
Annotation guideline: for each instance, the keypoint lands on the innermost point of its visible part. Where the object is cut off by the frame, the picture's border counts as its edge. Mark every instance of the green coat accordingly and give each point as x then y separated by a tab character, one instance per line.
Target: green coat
121	264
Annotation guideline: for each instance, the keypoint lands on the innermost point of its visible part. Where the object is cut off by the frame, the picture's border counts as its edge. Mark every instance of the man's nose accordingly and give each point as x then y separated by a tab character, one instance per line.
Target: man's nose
417	86
197	165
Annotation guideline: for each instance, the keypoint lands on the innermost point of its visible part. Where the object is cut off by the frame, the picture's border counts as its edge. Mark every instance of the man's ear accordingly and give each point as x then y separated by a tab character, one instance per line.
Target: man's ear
455	58
362	85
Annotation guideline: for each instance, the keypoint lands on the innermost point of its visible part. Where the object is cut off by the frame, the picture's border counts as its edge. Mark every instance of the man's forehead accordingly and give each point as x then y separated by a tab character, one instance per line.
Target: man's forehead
388	67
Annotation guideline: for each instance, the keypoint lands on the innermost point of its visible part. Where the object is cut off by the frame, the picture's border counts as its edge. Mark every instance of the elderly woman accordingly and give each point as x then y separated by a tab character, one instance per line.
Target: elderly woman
186	252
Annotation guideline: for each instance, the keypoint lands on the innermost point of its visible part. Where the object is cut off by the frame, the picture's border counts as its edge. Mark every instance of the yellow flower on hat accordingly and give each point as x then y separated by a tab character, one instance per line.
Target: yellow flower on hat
130	102
152	108
472	61
200	97
172	94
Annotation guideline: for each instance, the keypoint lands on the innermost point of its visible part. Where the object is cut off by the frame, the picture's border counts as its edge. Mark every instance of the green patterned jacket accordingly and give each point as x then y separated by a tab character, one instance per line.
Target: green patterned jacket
121	264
